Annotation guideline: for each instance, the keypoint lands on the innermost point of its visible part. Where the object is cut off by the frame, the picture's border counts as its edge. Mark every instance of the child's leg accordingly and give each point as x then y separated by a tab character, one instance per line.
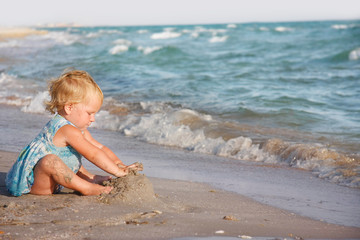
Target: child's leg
51	170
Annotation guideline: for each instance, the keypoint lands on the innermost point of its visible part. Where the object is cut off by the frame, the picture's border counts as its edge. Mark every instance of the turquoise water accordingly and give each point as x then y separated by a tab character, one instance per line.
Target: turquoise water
280	93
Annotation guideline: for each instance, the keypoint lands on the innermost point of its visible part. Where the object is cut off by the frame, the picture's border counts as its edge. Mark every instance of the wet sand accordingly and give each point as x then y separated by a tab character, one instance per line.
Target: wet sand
178	209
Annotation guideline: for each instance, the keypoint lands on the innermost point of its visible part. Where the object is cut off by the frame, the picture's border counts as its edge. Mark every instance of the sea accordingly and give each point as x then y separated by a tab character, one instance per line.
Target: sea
280	94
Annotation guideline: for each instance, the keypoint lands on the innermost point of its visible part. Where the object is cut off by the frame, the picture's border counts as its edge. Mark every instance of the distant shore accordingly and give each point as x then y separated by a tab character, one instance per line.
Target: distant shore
8	33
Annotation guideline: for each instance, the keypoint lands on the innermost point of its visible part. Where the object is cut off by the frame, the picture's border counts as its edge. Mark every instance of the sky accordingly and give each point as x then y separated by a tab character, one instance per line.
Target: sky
171	12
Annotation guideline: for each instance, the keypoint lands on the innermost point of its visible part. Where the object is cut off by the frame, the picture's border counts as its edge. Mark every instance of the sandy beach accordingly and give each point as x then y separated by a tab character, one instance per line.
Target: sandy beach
178	209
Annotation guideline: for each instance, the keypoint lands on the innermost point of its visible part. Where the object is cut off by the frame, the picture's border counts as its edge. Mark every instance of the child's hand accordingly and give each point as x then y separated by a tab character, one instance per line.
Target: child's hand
122	172
136	166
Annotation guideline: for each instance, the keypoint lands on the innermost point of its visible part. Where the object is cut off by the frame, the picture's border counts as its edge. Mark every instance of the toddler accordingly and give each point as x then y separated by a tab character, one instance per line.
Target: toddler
53	158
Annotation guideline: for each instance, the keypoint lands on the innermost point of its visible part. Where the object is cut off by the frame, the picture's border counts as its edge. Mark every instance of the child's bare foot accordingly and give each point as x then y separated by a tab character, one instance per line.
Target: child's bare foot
107	189
97	189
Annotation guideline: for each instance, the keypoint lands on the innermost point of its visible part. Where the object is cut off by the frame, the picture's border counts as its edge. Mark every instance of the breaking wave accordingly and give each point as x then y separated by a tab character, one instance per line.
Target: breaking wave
165	35
168	125
354	54
190	130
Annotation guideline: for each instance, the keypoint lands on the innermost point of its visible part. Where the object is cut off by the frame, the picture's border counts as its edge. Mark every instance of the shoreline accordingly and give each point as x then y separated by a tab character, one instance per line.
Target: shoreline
285	188
181	209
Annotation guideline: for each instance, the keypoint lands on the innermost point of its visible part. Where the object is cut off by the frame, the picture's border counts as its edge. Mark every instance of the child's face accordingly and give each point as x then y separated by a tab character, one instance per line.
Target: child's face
83	114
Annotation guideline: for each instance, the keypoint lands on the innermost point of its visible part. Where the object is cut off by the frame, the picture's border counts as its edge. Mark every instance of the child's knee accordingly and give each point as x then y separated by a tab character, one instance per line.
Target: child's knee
49	161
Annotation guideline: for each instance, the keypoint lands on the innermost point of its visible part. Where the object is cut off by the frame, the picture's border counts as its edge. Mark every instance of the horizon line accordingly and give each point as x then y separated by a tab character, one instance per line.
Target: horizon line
75	24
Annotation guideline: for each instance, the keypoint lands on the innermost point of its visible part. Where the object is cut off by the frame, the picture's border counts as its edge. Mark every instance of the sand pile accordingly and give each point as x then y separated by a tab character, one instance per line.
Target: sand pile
133	188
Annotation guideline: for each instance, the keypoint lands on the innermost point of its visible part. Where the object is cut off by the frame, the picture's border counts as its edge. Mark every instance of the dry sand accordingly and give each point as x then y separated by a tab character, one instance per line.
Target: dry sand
171	209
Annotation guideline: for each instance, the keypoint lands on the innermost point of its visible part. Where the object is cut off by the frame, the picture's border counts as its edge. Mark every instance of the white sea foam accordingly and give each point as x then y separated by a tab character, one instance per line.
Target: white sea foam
195	34
354	54
122	45
20	92
283	29
12	92
216	39
8	82
142	31
166	126
263	29
200	29
34	43
186	31
231	26
122	41
148	50
165	35
93	35
169	29
110	31
36	104
118	49
12	101
10	44
64	38
339	26
215	32
5	79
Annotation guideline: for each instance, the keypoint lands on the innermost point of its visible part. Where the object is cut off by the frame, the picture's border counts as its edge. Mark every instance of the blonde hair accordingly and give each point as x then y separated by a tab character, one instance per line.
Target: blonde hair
71	87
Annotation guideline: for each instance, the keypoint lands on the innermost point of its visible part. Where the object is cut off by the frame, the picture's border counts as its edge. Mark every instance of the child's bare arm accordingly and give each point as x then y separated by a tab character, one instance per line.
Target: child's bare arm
106	150
78	141
86	175
111	154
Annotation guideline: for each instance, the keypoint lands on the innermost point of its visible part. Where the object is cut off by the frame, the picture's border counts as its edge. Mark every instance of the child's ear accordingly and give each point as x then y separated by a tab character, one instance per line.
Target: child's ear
68	108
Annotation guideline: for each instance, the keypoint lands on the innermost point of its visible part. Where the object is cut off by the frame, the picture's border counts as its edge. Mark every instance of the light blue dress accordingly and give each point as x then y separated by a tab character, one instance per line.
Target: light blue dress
20	178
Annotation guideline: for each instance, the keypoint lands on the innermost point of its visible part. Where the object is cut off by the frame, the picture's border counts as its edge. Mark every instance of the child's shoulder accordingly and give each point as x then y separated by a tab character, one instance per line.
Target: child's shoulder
62	125
67	135
69	129
59	121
